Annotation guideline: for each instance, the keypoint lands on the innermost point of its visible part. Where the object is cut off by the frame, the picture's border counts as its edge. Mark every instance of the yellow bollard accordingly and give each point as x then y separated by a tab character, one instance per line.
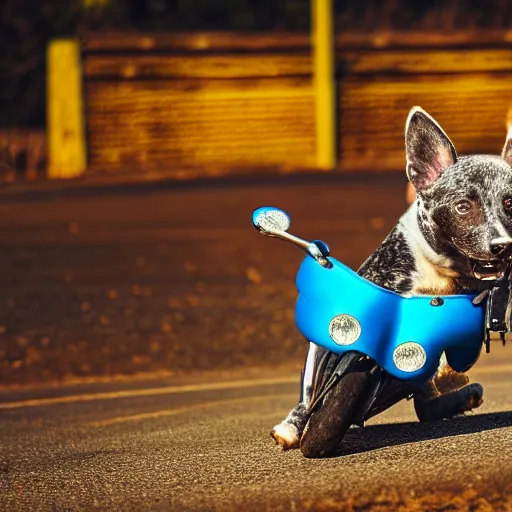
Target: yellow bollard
410	193
322	14
65	121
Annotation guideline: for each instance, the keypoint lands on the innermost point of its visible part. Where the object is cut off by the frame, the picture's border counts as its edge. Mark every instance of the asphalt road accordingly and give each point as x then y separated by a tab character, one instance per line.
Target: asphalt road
202	442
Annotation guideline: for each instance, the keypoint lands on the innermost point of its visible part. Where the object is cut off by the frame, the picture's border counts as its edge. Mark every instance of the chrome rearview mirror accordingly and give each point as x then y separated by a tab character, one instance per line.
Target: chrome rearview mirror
271	221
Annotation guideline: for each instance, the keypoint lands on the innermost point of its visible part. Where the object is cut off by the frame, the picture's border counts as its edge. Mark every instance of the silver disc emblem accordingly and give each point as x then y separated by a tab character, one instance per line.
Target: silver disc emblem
344	329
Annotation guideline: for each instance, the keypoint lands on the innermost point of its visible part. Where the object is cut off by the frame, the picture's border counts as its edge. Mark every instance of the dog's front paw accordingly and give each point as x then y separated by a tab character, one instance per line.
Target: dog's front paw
450	404
286	435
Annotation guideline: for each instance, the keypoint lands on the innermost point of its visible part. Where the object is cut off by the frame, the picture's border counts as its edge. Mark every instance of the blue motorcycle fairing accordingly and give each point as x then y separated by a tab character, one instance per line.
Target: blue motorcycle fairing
388	319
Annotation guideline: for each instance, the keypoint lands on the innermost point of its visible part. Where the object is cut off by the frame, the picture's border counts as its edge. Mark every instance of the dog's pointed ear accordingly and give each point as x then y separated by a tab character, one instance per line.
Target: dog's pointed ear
507	148
428	149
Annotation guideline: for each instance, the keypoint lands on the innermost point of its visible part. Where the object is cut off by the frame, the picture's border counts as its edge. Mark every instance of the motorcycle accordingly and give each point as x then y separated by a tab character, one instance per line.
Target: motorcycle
375	347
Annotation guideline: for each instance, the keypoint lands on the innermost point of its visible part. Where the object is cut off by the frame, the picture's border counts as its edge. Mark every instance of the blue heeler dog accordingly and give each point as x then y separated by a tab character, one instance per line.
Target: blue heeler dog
454	238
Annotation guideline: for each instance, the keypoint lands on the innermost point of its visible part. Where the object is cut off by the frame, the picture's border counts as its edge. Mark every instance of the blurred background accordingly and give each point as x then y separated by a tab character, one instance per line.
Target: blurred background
136	138
25	31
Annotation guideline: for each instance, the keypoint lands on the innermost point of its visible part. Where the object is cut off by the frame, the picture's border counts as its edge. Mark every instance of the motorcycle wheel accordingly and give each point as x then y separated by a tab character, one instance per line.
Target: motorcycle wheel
339	410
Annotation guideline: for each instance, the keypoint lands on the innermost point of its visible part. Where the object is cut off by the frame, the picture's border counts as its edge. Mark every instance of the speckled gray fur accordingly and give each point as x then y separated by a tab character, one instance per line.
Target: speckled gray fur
434	247
432	230
392	264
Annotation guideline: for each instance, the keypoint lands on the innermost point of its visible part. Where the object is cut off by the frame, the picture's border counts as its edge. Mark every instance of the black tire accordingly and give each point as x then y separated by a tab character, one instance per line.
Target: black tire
328	424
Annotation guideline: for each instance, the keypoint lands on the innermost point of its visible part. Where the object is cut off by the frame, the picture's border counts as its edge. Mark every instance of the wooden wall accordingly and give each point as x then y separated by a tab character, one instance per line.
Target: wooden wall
226	101
204	103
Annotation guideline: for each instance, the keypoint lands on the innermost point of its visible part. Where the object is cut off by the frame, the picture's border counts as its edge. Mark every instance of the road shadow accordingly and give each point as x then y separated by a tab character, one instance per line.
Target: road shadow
374	437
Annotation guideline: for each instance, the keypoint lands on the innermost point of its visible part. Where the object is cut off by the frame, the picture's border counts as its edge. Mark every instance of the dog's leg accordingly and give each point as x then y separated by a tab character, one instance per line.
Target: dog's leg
447	379
287	433
446	395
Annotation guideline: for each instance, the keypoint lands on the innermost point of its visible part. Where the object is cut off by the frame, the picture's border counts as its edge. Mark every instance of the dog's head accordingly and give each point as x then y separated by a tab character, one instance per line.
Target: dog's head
464	202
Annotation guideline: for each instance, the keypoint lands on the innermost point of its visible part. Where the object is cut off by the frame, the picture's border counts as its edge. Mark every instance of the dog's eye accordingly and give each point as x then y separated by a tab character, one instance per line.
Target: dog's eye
463	207
507	203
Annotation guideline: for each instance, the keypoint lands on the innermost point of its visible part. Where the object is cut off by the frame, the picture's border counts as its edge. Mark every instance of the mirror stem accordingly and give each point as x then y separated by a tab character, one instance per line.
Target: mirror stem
310	247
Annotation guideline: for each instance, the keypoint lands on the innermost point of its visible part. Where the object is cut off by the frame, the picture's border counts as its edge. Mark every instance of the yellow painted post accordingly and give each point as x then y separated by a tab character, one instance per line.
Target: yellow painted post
410	193
65	122
322	14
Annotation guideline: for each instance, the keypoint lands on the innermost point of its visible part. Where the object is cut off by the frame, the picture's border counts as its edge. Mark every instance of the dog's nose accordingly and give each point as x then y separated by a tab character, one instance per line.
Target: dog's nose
501	246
